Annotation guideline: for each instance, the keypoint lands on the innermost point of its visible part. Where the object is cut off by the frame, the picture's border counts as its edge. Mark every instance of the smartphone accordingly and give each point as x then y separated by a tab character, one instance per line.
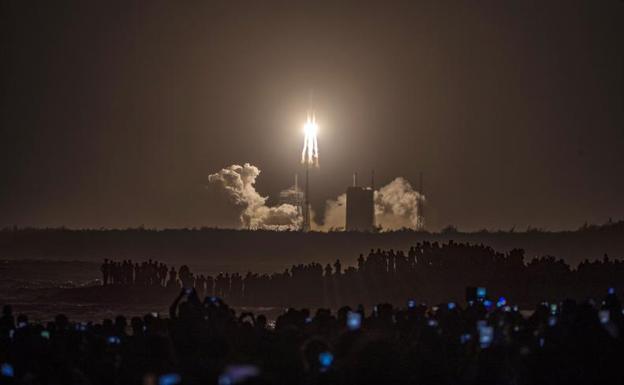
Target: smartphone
354	320
451	305
604	316
486	336
45	334
169	379
6	370
188	290
235	374
481	293
553	308
411	304
326	359
113	340
611	291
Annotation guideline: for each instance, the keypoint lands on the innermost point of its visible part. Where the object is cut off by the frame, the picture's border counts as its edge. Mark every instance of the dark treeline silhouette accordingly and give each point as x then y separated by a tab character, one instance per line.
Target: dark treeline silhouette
428	271
206	342
269	251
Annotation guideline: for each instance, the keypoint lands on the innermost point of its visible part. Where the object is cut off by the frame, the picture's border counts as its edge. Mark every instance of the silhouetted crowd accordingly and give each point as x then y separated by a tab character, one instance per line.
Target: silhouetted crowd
204	341
428	270
152	273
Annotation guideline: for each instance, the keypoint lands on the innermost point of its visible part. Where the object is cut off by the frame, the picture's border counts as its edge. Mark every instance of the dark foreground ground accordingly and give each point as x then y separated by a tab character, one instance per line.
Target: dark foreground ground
204	341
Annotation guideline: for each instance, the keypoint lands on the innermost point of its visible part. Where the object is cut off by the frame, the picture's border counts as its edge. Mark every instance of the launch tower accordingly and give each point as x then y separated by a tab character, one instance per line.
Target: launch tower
360	213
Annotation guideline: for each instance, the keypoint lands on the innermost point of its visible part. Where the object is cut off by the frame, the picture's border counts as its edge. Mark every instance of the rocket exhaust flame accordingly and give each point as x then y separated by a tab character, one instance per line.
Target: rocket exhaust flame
310	155
397	204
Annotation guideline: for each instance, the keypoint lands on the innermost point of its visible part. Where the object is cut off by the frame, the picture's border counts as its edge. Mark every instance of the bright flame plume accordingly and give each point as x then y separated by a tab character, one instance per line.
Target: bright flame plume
309	154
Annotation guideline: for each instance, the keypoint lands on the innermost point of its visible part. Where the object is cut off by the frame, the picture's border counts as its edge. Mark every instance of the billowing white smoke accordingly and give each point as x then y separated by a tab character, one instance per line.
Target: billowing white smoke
335	214
237	182
396	207
396	204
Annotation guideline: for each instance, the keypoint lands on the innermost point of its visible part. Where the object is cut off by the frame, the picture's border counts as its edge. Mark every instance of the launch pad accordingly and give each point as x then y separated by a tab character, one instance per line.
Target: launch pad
360	201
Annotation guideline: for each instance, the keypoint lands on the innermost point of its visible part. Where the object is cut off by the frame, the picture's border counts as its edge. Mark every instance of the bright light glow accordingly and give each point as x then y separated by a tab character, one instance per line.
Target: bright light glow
310	127
326	359
309	154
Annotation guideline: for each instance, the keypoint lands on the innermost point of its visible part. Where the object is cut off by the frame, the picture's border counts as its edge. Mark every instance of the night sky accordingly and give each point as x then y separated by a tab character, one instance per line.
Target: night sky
114	115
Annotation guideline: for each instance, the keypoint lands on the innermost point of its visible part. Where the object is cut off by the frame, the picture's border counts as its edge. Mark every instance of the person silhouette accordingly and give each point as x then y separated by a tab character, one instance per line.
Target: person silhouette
173	278
105	269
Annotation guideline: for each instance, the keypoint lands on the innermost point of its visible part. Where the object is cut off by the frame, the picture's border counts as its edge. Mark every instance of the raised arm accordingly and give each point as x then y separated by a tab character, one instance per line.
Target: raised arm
173	309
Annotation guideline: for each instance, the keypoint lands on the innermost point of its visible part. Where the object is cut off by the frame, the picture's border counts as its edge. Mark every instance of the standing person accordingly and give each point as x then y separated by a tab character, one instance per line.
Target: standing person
218	282
236	288
137	273
200	283
209	286
185	276
114	273
7	321
173	278
163	274
337	268
105	272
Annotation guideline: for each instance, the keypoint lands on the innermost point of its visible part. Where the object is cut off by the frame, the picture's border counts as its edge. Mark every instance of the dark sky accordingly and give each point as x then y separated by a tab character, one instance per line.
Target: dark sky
114	115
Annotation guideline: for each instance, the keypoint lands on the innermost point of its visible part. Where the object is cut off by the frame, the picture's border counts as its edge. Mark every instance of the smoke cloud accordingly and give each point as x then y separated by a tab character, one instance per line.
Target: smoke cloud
335	214
237	184
396	207
396	204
